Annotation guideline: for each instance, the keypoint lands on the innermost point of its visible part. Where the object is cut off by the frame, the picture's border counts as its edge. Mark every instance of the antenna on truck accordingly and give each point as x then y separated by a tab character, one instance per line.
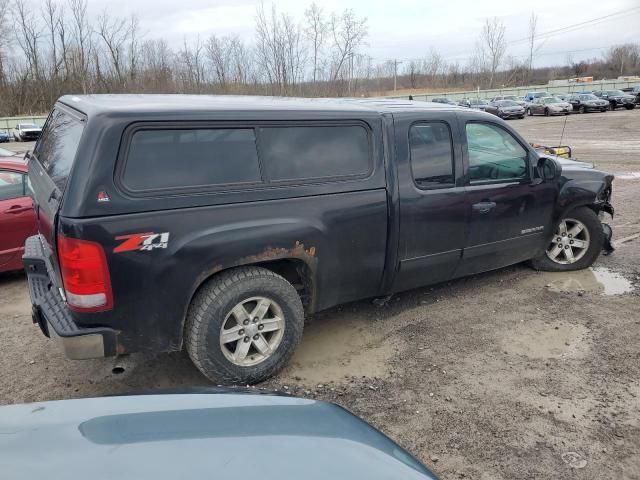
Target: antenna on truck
564	125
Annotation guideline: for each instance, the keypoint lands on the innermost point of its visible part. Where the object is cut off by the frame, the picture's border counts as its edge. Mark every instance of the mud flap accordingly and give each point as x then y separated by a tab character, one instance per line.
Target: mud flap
608	247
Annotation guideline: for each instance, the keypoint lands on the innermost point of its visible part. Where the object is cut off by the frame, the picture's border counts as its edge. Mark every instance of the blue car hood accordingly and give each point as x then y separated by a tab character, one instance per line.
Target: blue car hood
196	436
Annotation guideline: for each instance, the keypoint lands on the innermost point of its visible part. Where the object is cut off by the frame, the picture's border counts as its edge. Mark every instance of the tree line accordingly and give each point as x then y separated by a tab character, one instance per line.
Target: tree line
56	47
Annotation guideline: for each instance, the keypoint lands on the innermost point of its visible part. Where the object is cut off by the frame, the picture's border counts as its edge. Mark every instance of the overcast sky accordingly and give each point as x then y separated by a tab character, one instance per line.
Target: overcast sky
406	29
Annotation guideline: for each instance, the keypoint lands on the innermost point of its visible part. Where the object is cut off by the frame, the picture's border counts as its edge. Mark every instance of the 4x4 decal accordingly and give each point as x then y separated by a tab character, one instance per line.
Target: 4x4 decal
142	242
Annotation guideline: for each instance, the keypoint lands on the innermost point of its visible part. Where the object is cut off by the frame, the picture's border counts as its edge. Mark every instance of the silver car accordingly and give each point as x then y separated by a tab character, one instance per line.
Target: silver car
549	106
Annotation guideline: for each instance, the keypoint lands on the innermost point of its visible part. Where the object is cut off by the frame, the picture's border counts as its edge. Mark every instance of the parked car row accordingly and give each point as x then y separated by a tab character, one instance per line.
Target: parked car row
545	103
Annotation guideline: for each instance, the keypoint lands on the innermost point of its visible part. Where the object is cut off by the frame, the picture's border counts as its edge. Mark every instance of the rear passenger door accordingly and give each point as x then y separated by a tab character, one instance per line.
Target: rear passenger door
432	202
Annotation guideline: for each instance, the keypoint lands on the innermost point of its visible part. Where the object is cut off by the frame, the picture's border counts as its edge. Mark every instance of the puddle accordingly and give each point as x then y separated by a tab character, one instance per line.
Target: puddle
628	176
333	348
612	282
599	280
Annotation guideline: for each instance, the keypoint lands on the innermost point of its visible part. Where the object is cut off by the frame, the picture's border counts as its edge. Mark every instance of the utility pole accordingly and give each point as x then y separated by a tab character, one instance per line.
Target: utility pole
395	74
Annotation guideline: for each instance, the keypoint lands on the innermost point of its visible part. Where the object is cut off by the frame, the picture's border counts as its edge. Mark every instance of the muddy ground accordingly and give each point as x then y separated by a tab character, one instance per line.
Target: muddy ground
511	374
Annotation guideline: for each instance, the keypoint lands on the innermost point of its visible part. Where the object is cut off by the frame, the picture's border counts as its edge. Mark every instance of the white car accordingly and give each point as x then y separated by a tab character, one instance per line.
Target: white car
25	132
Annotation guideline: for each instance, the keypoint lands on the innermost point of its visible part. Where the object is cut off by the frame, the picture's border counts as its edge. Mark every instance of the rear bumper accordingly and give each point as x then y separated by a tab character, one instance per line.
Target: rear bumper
52	314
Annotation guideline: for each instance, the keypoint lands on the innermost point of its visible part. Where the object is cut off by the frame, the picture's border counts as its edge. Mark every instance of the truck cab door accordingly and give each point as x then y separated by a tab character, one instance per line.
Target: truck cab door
431	196
510	215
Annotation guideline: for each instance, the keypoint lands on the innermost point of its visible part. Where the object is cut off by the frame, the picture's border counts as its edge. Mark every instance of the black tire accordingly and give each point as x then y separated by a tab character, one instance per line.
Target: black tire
612	107
603	110
629	107
546	112
209	309
582	109
590	220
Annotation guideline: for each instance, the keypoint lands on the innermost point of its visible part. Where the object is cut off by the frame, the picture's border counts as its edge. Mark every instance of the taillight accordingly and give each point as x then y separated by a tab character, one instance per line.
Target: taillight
85	274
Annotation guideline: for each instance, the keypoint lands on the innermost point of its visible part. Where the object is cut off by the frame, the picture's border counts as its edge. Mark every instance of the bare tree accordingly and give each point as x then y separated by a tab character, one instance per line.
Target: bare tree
51	14
623	58
349	33
4	40
28	33
83	39
413	70
114	34
492	46
242	72
433	65
316	33
134	46
279	49
218	53
192	57
531	38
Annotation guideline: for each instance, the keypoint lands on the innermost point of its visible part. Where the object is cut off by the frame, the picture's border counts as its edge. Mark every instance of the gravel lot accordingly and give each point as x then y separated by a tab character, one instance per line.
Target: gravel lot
507	375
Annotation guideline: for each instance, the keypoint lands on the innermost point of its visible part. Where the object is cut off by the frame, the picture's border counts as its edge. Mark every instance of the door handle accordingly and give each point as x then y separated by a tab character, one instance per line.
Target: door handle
483	207
17	209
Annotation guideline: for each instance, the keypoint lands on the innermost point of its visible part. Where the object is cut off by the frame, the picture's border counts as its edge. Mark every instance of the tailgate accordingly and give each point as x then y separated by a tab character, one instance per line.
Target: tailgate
49	168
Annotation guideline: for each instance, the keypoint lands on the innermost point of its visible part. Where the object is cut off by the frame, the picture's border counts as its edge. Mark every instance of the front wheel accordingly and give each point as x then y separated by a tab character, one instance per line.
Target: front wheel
576	243
243	325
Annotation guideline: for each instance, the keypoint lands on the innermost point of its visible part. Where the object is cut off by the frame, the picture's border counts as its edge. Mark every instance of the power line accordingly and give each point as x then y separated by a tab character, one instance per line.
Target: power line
576	26
566	29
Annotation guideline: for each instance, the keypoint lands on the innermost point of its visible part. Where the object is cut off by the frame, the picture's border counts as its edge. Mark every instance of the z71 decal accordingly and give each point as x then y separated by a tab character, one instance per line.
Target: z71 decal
142	242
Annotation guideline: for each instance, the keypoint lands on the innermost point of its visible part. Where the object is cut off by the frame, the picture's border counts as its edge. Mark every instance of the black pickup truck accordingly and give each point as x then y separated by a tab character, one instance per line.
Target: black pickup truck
216	224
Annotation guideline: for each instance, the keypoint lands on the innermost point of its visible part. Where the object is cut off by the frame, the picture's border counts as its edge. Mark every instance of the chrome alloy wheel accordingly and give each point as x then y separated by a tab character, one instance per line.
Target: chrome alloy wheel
252	331
570	242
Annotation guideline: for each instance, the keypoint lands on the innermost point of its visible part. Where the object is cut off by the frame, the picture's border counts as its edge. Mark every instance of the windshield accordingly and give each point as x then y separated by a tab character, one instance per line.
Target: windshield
507	103
511	97
478	102
615	92
588	97
551	100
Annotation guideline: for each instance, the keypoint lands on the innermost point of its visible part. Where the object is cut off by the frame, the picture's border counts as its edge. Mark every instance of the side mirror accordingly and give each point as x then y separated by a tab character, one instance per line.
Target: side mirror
547	169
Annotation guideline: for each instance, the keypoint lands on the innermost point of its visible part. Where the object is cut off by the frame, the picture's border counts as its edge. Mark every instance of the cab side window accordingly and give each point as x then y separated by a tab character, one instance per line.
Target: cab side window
431	155
494	154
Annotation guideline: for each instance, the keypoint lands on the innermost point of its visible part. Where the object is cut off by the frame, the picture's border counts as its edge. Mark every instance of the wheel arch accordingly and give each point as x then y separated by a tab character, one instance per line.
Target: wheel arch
296	265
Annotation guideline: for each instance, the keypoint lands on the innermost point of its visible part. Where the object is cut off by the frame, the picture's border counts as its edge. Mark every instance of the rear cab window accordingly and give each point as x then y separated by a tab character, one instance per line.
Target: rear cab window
431	147
57	147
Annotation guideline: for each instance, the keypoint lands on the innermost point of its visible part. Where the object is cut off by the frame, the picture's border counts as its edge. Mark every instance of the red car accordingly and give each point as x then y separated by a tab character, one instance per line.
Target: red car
17	218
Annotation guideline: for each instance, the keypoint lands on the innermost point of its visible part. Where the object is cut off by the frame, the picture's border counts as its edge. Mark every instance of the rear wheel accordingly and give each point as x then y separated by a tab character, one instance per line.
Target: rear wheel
629	107
576	243
243	325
